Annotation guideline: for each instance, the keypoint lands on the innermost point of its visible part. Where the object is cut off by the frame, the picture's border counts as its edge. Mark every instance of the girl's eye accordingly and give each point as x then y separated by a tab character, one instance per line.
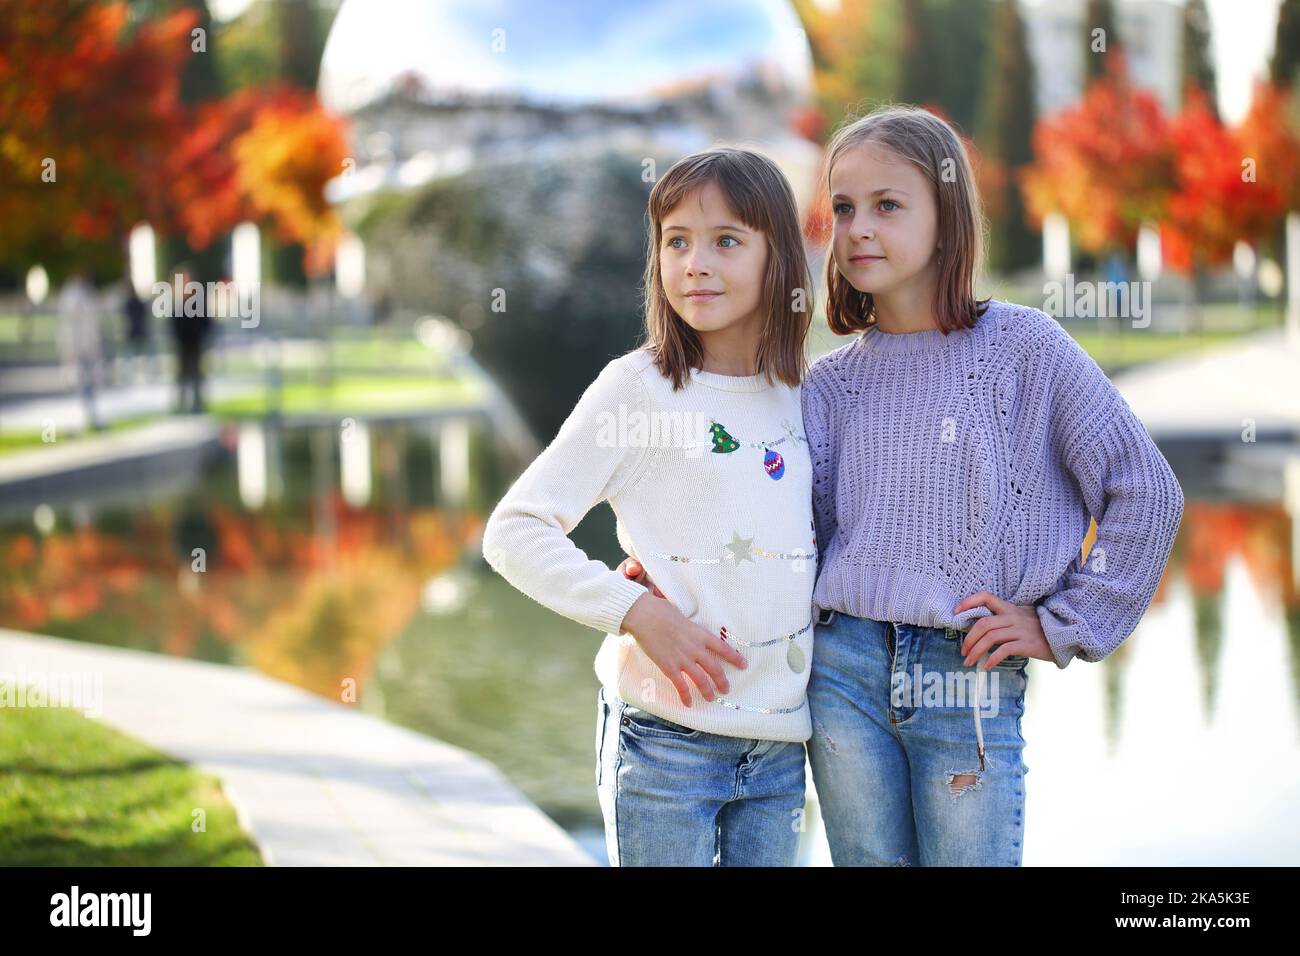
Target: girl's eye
732	238
891	202
672	240
840	207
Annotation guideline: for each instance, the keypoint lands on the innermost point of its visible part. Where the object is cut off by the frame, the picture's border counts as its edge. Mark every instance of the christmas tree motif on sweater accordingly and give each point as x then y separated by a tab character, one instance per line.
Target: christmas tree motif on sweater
723	444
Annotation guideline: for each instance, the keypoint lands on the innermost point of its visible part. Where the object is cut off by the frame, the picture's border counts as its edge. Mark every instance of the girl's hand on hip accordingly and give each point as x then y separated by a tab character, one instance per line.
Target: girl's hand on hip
633	570
1010	629
678	646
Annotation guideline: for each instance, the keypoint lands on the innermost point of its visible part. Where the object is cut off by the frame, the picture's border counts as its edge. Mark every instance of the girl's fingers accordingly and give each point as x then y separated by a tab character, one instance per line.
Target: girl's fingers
991	640
696	673
710	665
724	650
982	627
982	598
683	689
632	568
1004	650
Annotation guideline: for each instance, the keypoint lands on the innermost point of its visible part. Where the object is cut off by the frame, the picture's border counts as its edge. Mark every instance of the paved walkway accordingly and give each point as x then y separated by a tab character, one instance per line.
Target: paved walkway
1209	394
66	411
314	783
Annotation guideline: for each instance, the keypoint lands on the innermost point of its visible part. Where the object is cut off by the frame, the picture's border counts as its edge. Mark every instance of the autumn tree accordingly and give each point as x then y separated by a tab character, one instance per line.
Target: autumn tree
86	108
97	134
1269	135
1218	198
1105	163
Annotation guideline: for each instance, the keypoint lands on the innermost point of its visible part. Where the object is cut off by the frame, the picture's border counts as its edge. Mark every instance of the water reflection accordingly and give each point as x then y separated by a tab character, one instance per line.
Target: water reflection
1184	746
1206	767
300	551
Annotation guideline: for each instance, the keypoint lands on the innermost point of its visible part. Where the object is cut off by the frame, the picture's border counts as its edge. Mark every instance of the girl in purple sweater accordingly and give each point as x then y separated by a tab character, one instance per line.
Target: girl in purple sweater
959	447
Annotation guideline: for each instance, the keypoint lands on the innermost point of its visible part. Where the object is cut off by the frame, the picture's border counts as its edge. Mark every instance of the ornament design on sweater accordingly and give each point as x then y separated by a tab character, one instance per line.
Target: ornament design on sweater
774	465
724	443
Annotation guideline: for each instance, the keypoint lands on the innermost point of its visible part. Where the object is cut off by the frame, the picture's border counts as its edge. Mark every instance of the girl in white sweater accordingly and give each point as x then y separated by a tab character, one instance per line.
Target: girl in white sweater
696	441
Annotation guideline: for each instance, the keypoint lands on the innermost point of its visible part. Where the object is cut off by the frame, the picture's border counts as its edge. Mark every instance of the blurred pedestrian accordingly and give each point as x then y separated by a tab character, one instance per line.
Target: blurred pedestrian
138	344
80	342
190	327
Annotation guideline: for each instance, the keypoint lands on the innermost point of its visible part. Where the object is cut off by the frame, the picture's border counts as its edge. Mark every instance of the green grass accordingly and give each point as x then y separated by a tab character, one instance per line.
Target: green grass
1136	347
74	792
377	354
356	395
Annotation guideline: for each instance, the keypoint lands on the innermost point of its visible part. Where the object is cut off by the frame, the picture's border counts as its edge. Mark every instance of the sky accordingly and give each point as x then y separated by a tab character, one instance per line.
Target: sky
1241	38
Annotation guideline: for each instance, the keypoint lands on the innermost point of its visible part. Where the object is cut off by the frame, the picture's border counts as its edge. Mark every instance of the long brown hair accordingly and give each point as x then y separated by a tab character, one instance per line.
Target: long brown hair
760	195
928	142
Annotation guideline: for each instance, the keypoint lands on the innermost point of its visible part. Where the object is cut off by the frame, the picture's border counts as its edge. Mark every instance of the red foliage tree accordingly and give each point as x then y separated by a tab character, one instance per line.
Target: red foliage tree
1270	135
1218	199
1105	163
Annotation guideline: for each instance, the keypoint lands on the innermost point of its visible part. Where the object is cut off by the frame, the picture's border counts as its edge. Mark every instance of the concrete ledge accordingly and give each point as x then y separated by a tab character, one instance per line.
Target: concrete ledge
170	452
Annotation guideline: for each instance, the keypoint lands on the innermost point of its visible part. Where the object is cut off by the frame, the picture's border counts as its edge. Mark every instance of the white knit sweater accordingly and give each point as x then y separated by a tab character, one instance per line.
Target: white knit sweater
712	490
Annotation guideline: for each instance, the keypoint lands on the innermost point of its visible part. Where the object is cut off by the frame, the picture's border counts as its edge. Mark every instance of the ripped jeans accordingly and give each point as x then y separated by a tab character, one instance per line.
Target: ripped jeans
916	758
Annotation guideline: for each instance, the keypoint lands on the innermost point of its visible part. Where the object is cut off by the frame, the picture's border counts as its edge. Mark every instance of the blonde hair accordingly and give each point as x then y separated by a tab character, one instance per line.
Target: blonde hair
760	195
928	142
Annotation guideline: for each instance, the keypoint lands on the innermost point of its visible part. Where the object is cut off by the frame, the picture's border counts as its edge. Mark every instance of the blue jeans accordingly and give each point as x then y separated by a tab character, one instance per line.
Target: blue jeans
916	759
675	796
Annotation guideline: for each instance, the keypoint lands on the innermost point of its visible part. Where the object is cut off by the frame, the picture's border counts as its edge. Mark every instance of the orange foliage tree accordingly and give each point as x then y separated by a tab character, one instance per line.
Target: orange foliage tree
94	138
1270	135
86	107
1105	163
263	155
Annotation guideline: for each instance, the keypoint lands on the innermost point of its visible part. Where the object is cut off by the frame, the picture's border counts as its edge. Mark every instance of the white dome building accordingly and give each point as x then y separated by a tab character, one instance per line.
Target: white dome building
433	87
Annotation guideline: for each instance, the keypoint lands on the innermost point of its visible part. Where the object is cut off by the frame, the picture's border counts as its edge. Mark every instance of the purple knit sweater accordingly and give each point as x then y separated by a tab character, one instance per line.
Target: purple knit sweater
946	465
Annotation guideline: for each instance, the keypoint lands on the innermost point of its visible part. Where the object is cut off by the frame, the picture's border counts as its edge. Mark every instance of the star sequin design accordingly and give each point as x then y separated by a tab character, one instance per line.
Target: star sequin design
739	548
